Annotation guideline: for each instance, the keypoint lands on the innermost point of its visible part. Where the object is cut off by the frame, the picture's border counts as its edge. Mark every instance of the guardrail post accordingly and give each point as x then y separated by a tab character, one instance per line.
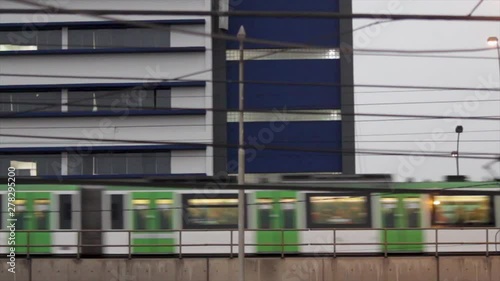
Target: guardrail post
436	242
28	246
487	242
231	233
78	242
180	244
282	243
385	242
130	244
334	243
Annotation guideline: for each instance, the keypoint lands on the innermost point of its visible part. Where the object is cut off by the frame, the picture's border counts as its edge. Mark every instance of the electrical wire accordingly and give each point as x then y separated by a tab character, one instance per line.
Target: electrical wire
483	118
50	9
464	155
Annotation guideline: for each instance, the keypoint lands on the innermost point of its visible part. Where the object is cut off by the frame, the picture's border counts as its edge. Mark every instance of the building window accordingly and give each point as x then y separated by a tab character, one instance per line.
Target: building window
338	211
115	100
118	38
463	210
30	102
135	163
32	165
201	212
32	40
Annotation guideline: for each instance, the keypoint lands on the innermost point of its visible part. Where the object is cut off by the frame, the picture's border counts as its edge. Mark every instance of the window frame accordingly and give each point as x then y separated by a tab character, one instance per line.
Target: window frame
309	221
460	225
188	225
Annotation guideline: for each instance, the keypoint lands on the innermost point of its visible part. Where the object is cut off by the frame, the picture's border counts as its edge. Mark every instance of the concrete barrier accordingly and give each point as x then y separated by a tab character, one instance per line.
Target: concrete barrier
257	269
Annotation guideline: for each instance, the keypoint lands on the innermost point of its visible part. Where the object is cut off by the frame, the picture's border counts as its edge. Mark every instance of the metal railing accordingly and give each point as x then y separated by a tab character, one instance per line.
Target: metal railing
385	246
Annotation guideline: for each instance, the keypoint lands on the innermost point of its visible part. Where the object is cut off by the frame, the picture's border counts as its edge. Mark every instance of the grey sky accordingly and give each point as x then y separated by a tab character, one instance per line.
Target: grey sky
476	72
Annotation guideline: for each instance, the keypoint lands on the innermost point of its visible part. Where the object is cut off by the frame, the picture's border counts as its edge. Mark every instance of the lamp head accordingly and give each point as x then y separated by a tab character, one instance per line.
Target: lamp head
493	41
459	129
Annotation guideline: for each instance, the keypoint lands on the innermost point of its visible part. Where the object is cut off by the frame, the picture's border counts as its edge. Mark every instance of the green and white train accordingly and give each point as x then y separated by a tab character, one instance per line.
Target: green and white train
158	220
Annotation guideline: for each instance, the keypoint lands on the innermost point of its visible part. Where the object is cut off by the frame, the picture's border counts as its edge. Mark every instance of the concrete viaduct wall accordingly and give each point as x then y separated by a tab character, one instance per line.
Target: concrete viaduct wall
258	269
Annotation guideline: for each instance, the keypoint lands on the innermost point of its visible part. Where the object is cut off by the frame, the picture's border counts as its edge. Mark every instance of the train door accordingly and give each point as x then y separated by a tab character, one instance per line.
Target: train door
32	213
152	217
276	210
402	211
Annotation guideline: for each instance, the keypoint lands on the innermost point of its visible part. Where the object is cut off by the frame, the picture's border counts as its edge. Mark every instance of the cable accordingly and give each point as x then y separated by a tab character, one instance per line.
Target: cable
464	155
475	7
284	83
50	9
484	118
105	15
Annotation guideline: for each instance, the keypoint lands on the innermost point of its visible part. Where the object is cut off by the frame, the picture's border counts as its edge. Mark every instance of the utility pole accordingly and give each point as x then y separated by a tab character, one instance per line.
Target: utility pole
241	164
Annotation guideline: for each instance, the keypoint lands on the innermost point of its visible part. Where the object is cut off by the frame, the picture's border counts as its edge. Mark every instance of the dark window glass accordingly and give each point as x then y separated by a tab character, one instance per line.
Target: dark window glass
412	209
20	214
463	210
118	38
141	210
111	100
32	165
65	211
30	40
164	209
265	209
134	163
30	101
2	210
81	101
41	214
338	211
288	209
162	163
163	98
201	212
117	211
389	210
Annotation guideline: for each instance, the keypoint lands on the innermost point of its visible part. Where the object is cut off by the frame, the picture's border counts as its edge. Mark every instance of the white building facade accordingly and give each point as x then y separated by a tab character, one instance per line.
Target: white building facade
82	96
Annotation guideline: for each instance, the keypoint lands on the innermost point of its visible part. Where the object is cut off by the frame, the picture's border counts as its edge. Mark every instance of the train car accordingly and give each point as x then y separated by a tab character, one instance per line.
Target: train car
172	221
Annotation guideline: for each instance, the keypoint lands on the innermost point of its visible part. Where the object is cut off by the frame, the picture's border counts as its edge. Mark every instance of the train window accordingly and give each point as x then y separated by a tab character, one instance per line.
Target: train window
265	209
219	212
41	214
1	211
412	208
65	211
332	211
117	211
141	208
389	209
20	214
164	207
288	207
465	210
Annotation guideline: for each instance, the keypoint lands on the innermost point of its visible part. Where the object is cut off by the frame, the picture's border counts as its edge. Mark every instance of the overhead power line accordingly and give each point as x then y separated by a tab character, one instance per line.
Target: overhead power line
301	112
284	83
464	155
50	9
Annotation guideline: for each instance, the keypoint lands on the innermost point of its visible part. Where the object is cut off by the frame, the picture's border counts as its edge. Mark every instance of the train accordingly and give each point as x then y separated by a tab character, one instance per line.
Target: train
130	220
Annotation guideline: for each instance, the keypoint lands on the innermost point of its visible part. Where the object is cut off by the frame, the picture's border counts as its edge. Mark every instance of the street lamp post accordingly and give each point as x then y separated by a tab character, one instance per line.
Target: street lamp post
456	154
241	163
493	41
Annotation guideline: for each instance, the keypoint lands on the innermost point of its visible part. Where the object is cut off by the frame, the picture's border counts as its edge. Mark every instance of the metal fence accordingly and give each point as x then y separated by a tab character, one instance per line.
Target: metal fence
383	245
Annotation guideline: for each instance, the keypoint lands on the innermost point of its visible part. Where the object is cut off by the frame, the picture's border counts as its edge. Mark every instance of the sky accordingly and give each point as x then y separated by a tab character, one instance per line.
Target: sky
478	70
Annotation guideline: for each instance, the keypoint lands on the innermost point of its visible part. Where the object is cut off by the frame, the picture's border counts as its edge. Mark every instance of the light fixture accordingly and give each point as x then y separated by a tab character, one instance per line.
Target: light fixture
454	154
436	202
493	41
